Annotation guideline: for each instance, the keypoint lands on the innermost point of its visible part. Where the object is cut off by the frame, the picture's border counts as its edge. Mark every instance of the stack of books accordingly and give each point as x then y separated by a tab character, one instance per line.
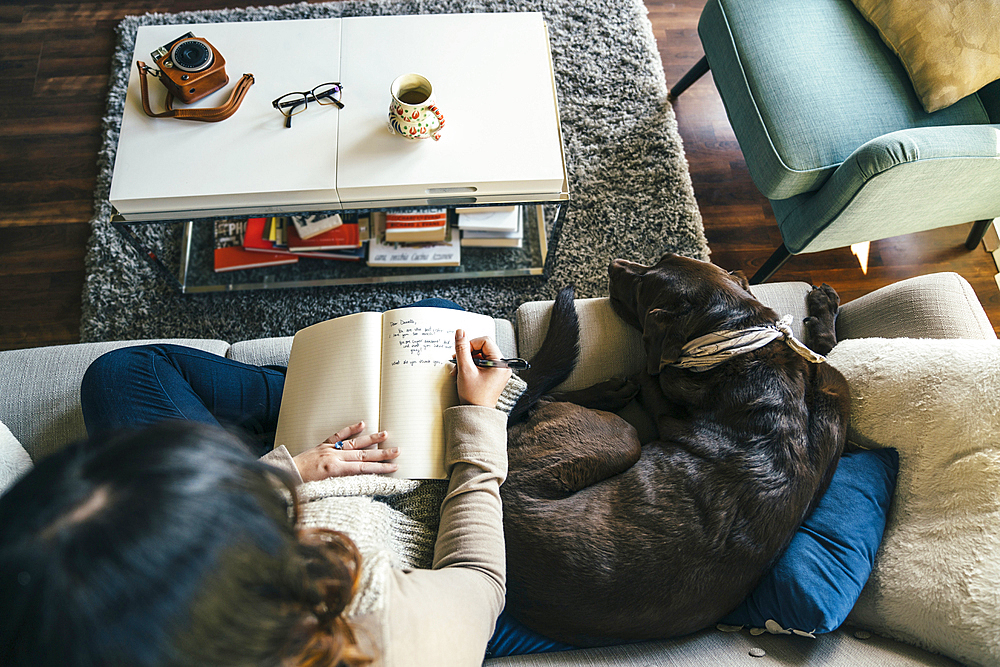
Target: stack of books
342	242
265	241
429	226
384	252
230	255
491	226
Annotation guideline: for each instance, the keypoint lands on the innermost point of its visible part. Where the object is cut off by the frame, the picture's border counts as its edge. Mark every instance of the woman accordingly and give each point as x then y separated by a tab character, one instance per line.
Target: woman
171	545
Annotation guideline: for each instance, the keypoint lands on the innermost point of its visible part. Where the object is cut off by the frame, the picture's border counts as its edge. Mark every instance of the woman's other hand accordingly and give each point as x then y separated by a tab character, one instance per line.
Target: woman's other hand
357	455
478	386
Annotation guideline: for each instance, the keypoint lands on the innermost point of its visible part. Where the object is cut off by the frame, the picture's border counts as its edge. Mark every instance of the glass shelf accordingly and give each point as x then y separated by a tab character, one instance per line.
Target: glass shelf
184	256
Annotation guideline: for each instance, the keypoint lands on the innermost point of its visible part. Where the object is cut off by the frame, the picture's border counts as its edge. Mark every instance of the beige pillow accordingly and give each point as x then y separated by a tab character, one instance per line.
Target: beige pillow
950	48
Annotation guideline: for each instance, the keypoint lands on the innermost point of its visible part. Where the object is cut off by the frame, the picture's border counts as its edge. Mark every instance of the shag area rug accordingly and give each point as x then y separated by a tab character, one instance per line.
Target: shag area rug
629	183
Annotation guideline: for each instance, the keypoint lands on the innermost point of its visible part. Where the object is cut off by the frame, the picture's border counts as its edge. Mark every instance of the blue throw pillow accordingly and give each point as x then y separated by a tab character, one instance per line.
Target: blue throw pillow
511	637
816	582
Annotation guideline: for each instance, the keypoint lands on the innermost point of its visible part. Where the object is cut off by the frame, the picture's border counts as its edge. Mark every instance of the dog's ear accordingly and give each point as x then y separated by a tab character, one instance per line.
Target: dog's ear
741	278
660	340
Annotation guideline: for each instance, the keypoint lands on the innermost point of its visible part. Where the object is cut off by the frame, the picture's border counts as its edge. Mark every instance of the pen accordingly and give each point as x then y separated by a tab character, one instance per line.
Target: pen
516	364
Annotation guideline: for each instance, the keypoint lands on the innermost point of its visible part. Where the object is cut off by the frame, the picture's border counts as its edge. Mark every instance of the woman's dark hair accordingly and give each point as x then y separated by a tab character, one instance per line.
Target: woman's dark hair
168	546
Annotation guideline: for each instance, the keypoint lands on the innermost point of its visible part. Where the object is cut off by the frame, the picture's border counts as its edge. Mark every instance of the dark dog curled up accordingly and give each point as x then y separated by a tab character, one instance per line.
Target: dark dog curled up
610	539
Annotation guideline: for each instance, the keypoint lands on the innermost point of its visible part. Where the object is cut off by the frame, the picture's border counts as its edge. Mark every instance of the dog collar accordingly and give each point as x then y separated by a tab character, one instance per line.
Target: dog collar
708	351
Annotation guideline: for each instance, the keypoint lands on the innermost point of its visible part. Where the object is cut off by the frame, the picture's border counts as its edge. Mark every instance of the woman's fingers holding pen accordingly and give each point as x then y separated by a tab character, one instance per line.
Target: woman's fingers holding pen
484	347
478	386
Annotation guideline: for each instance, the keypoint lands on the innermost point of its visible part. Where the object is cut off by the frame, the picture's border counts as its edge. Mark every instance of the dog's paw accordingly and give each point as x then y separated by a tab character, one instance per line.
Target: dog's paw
822	300
620	391
822	304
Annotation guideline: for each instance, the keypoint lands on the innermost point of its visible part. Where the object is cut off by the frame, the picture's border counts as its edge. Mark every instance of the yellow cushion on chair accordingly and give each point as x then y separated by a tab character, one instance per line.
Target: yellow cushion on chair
950	48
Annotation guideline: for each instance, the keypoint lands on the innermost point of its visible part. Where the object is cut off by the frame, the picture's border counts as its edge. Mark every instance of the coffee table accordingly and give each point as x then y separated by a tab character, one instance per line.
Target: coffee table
492	75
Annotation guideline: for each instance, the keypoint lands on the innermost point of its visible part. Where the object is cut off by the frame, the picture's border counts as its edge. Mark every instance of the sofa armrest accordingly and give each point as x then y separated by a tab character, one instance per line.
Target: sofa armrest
608	346
611	348
938	305
40	390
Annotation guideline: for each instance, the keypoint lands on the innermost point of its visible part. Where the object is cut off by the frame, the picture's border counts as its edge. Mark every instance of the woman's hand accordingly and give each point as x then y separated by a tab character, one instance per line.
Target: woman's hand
357	455
478	386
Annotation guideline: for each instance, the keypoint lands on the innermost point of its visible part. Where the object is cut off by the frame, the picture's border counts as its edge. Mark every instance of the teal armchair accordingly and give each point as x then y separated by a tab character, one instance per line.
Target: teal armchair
833	133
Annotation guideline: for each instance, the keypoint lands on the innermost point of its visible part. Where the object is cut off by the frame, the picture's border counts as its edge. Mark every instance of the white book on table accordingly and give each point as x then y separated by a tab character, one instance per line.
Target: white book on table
512	239
309	226
488	219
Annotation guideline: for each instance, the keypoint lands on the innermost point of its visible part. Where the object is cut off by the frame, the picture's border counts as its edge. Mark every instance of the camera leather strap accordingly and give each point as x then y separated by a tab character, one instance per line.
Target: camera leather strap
211	115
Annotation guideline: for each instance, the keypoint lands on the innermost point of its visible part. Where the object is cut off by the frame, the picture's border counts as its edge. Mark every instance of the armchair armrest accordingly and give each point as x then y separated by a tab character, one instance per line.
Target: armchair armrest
938	305
918	179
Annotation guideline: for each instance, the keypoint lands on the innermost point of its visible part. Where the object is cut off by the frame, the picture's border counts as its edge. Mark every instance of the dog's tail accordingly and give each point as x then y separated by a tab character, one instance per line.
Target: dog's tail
555	359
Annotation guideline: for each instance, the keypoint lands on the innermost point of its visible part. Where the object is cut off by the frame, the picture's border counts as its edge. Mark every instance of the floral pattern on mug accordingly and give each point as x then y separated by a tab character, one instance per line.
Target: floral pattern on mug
415	121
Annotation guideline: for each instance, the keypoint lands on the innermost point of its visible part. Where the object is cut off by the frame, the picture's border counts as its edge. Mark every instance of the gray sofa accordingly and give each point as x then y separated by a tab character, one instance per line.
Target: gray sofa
39	403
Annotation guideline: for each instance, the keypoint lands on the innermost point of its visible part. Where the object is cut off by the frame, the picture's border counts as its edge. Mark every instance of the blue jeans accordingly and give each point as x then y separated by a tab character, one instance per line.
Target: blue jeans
142	385
146	384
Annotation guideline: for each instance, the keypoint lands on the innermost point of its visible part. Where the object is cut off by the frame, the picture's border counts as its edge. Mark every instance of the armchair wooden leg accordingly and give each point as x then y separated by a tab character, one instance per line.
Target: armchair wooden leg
773	263
693	75
977	233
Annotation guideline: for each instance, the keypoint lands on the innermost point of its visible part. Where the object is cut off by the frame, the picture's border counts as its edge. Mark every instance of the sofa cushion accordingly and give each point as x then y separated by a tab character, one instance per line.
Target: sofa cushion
950	48
814	584
263	351
40	390
14	461
936	581
709	648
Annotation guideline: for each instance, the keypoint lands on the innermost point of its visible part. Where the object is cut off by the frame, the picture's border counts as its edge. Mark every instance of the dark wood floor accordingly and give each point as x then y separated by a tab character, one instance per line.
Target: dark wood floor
54	65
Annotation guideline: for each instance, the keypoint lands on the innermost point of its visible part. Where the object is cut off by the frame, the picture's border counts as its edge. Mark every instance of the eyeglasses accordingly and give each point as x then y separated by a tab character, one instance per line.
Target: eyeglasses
295	103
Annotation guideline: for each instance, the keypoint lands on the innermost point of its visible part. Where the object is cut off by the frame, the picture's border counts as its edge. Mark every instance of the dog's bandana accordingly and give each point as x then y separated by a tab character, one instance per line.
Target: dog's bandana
712	349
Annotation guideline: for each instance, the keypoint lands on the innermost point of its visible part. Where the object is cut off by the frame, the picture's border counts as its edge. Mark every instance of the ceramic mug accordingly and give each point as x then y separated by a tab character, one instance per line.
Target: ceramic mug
412	112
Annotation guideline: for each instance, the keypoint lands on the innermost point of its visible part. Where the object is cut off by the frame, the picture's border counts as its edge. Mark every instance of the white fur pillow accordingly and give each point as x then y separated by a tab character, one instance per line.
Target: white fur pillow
14	461
936	581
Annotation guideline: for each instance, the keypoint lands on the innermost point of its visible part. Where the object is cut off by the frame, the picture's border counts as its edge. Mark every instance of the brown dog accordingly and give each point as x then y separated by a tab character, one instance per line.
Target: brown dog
610	540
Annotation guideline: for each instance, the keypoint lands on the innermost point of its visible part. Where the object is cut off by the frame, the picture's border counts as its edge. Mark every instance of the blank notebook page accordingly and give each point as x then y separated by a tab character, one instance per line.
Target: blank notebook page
332	381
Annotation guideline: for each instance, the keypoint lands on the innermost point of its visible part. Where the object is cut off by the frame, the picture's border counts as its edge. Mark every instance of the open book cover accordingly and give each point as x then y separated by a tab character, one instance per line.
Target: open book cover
390	369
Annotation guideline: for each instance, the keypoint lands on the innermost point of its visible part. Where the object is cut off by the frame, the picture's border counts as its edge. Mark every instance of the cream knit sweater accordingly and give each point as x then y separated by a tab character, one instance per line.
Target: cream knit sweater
432	582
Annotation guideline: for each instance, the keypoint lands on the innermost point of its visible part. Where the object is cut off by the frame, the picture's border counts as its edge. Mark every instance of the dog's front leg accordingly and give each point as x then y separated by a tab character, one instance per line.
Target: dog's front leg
666	414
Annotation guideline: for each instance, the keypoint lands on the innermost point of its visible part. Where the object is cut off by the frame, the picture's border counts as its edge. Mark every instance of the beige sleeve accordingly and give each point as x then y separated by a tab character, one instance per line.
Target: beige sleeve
446	615
281	458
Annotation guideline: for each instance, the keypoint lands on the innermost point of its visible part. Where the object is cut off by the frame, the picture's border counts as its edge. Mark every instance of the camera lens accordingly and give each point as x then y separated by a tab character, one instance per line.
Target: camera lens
191	55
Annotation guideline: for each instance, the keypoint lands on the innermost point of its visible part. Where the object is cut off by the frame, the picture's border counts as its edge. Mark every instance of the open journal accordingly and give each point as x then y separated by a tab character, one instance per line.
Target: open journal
390	369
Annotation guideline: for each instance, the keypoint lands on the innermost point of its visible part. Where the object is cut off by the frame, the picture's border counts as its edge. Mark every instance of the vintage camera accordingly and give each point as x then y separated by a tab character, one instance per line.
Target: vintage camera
190	67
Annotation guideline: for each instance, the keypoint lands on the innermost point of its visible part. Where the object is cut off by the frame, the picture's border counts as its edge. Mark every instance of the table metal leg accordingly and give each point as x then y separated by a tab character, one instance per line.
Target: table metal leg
551	245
